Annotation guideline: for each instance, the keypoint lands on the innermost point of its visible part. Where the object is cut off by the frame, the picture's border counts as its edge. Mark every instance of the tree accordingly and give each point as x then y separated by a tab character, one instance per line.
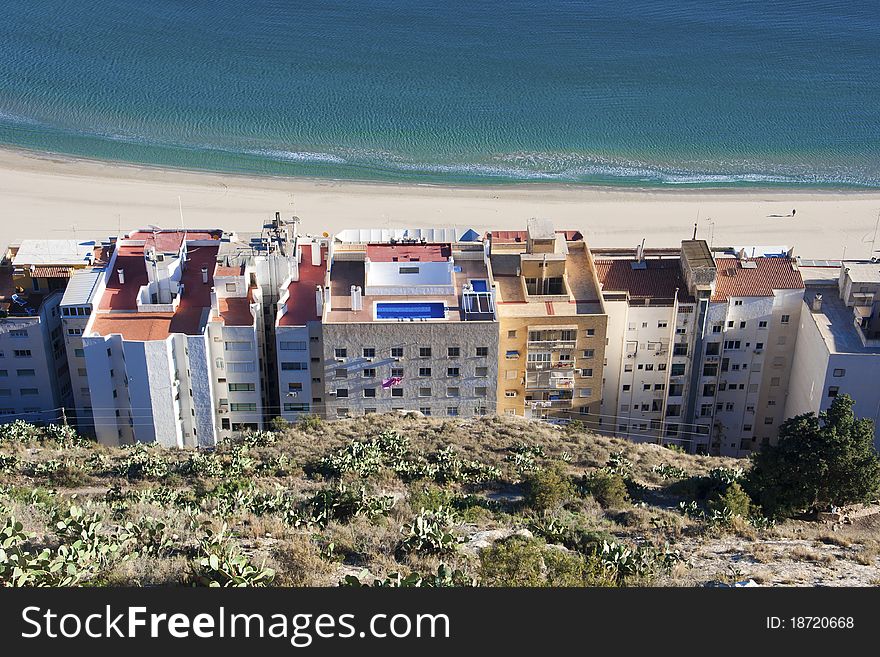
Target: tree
549	488
818	462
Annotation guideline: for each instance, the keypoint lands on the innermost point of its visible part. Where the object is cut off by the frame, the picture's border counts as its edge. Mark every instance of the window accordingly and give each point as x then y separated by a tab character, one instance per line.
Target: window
424	352
369	352
22	353
591	332
716	328
839	372
424	392
742	325
833	390
768	420
482	352
452	392
299	345
738	302
453	372
785	319
397	372
662	324
774	381
30	392
340	373
408	270
713	348
397	392
732	344
341	393
646	386
294	387
511	335
587	371
709	390
424	371
452	411
288	366
242	387
710	369
589	353
18	333
649	367
585	392
481	371
705	410
680	349
242	407
4	372
340	352
480	391
25	372
759	346
510	393
81	371
453	352
677	369
762	324
397	352
240	345
79	353
230	287
425	410
369	393
368	373
296	408
626	387
341	412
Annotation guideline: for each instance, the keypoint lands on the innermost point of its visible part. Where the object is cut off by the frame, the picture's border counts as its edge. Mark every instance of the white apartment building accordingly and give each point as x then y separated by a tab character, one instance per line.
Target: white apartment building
745	350
409	323
838	342
650	332
172	345
298	335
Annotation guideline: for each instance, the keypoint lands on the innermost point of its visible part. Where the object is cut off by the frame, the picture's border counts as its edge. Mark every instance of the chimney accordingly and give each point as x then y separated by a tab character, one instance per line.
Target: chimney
204	274
121	273
816	304
319	300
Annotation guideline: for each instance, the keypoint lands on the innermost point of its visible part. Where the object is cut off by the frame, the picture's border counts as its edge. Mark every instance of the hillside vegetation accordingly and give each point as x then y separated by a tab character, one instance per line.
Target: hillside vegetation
400	501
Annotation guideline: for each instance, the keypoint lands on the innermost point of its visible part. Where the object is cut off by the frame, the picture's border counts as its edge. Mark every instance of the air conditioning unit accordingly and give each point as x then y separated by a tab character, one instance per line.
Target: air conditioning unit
331	392
340	360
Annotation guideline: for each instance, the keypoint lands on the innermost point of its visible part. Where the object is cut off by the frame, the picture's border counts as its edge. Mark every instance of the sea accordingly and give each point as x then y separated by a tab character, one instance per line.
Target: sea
641	93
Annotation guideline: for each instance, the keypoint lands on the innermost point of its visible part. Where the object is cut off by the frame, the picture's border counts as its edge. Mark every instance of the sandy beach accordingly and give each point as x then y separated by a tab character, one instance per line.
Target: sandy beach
50	196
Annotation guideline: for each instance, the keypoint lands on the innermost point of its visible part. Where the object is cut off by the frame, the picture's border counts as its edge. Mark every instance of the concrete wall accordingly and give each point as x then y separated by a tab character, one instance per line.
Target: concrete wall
467	336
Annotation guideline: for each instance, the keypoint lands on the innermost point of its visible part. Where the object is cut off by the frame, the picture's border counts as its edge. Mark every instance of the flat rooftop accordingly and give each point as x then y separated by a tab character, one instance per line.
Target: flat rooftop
301	305
583	297
345	273
835	322
522	236
864	272
117	308
409	252
55	252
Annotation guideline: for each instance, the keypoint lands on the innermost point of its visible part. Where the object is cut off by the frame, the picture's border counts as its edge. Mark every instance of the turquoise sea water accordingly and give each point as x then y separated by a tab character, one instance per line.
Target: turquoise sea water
640	92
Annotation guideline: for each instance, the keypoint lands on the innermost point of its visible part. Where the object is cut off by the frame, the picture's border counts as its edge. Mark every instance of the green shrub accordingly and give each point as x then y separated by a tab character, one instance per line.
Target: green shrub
445	577
429	533
519	561
607	487
221	564
549	488
733	498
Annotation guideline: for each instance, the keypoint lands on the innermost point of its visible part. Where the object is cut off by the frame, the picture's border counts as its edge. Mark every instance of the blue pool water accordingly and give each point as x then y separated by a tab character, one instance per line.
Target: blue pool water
406	310
643	93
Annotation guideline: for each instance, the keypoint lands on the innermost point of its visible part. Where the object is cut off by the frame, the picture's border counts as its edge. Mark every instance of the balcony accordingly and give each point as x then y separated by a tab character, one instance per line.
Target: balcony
550	380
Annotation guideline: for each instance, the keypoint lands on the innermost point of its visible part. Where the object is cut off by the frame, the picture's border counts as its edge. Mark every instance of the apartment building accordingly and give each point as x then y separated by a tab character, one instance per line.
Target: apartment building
35	382
173	342
745	351
651	328
298	335
409	323
838	340
552	323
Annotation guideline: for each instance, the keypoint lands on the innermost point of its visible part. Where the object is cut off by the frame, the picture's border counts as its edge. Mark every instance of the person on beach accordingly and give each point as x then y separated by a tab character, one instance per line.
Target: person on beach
792	212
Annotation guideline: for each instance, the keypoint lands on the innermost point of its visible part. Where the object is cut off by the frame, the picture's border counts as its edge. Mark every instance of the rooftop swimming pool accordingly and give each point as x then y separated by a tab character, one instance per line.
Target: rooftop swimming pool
410	310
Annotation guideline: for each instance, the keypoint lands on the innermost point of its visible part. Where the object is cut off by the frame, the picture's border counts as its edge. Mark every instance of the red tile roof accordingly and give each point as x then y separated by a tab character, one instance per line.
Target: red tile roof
51	272
769	274
408	252
658	281
169	241
301	304
223	270
135	326
236	311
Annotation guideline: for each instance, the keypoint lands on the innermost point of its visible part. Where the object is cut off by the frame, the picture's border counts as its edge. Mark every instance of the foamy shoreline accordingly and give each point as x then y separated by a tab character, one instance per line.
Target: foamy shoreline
47	195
